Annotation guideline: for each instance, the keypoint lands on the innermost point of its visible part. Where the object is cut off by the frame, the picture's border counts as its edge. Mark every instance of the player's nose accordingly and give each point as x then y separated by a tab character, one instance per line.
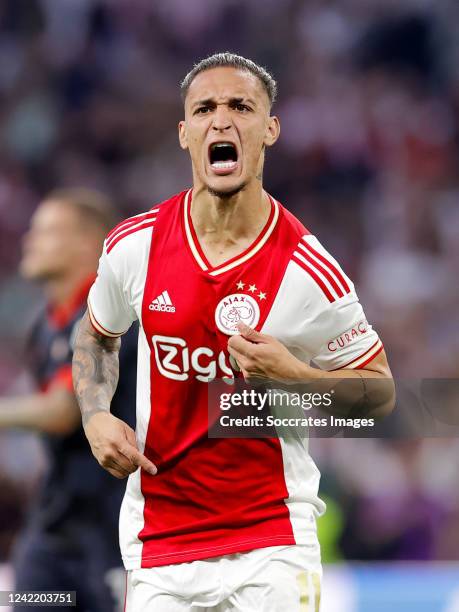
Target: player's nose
221	118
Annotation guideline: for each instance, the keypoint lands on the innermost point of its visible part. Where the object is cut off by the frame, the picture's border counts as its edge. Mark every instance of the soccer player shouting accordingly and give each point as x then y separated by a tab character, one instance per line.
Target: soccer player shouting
220	270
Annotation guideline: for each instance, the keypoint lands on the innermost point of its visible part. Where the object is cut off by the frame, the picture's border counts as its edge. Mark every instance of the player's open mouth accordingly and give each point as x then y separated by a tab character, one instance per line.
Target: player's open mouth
223	157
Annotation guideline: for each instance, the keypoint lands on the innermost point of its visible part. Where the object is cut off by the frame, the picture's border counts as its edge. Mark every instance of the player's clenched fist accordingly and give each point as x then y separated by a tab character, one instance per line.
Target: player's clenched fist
113	444
262	356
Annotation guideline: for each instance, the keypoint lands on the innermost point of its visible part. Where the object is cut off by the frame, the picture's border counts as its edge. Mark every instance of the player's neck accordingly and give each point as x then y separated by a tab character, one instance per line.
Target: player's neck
226	227
240	216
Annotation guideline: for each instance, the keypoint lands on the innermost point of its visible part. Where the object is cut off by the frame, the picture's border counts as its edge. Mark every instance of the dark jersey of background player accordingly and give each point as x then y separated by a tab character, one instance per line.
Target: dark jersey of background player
70	542
72	537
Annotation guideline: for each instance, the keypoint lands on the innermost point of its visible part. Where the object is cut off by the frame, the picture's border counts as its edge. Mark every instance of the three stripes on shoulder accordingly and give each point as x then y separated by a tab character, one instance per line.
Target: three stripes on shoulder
129	226
326	273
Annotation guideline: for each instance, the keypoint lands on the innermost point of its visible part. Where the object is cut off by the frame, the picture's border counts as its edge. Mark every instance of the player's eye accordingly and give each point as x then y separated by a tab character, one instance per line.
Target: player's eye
241	107
202	110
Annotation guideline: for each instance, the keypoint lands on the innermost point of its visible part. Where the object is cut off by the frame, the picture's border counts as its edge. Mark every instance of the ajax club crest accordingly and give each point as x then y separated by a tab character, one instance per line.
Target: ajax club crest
236	308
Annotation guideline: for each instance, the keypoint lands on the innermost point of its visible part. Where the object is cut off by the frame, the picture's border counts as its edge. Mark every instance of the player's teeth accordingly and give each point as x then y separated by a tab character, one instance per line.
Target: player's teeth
221	164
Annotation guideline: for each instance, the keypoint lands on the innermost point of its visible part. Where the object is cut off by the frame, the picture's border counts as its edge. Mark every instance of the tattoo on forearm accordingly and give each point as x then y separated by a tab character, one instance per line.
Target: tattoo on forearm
95	370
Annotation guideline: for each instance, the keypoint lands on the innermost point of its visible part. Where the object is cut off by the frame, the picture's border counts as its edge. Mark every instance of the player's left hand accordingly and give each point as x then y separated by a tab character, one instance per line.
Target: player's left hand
261	356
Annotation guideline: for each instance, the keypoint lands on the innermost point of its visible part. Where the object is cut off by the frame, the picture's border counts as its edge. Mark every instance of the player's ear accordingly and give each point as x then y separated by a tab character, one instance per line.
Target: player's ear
182	135
272	131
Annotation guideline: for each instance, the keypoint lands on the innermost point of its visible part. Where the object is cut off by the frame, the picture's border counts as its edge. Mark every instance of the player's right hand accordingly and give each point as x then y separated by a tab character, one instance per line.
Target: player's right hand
113	444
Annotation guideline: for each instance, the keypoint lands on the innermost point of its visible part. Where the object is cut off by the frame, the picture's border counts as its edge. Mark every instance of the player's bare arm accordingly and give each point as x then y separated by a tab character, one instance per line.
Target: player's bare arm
55	412
262	356
95	370
95	376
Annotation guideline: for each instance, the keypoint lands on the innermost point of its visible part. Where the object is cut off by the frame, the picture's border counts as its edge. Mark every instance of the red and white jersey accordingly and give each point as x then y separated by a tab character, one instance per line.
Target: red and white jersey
218	496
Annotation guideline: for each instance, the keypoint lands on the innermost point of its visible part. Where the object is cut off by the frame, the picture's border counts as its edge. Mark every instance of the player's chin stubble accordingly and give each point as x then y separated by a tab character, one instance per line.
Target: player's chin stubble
229	193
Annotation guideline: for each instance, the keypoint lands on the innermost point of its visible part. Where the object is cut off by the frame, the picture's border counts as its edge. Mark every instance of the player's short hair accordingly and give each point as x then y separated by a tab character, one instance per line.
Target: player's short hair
94	208
231	60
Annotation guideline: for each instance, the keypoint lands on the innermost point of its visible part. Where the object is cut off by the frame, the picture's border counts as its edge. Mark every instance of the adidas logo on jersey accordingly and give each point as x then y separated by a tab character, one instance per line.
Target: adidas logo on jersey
162	303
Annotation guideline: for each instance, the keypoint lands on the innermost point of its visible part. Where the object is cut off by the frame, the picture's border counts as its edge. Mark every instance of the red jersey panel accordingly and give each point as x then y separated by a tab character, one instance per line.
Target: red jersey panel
217	496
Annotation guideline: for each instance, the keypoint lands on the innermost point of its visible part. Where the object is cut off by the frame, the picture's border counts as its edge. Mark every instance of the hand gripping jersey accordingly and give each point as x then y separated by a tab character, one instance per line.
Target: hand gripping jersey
218	496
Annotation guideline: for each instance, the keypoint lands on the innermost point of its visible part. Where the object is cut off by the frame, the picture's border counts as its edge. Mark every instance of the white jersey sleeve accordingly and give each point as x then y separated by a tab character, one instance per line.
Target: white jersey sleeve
108	306
336	331
317	314
342	338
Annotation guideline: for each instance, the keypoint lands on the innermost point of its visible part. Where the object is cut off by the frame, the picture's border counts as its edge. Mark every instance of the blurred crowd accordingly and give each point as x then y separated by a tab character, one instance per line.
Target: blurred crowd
368	159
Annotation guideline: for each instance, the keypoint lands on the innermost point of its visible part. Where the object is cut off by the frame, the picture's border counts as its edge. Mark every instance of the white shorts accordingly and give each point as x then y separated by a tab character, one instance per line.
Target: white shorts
273	579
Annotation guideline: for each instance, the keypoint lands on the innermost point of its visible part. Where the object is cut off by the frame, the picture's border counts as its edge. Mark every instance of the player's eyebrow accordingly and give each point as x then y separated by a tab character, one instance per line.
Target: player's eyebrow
212	102
206	102
242	100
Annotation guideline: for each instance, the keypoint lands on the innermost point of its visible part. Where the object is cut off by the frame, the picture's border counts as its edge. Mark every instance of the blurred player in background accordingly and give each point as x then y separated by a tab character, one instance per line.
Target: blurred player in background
71	540
219	270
